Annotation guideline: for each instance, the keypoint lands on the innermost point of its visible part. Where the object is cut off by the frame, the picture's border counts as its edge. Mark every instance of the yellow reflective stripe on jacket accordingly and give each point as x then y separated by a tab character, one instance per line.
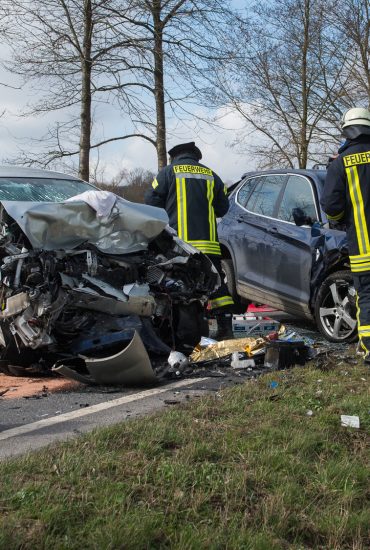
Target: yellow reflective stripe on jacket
182	222
358	210
336	217
211	213
221	302
207	247
359	258
360	268
155	183
360	262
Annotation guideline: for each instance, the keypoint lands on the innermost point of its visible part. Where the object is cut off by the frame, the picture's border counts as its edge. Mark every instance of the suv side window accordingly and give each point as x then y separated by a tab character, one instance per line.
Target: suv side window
264	197
298	194
246	190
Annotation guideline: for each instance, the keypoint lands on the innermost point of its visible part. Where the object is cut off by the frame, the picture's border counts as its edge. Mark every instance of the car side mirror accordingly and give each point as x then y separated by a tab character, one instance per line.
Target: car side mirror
300	217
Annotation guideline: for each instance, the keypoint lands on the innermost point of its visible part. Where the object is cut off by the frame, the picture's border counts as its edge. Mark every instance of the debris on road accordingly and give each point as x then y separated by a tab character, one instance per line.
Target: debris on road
223	349
129	367
237	361
249	324
281	354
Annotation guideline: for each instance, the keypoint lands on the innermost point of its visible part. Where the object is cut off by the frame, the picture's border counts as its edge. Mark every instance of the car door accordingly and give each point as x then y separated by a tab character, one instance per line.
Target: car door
289	252
256	202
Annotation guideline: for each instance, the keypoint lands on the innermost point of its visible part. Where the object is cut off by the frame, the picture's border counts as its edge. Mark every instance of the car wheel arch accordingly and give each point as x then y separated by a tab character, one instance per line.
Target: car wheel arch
334	268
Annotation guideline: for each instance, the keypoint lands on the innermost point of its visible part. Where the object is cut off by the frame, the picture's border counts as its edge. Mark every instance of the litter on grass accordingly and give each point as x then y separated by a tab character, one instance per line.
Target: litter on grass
349	421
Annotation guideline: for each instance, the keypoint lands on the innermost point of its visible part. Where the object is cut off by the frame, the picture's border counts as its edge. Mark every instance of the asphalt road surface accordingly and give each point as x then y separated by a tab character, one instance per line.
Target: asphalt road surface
28	424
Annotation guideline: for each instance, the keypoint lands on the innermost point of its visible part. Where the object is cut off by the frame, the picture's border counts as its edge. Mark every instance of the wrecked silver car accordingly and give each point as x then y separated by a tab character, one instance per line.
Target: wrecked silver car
86	275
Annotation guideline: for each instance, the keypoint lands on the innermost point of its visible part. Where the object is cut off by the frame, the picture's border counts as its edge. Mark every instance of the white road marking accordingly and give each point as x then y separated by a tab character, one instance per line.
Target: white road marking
21	430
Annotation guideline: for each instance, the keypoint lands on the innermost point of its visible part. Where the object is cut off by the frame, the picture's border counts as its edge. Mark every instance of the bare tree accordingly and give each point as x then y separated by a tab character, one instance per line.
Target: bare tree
138	55
179	39
352	21
68	49
287	83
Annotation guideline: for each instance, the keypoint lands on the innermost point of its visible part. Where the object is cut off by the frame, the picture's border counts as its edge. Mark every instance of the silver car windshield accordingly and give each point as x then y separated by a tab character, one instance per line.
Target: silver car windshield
41	189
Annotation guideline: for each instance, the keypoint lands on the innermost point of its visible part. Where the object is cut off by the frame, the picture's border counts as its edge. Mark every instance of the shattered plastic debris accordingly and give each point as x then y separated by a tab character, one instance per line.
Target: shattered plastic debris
177	359
237	361
349	421
296	337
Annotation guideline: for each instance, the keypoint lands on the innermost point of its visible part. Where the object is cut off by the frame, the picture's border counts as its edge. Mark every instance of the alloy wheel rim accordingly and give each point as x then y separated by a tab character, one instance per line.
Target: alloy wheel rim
335	312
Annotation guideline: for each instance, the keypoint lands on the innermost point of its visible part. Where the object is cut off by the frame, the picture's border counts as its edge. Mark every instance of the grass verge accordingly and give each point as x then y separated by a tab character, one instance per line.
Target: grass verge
247	468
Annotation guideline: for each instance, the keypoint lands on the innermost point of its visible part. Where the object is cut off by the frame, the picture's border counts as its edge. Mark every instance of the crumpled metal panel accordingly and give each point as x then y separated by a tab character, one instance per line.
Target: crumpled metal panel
129	367
15	304
330	248
53	226
86	298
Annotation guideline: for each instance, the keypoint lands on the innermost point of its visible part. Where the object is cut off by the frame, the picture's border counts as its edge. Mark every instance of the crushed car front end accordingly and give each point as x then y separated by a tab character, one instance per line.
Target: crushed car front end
78	283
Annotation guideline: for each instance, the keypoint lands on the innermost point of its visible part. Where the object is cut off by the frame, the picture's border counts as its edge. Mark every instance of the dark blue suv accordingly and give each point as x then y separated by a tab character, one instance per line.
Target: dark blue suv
278	249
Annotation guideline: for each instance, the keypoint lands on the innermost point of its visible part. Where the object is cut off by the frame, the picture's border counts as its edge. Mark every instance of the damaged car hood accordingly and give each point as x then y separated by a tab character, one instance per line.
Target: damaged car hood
53	226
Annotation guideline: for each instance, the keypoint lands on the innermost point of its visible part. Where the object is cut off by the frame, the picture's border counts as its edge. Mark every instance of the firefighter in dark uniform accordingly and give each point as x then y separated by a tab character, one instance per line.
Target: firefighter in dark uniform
193	197
346	198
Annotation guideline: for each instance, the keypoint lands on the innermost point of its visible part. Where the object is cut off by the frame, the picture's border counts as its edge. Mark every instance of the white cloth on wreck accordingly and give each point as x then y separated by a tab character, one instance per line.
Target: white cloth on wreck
101	201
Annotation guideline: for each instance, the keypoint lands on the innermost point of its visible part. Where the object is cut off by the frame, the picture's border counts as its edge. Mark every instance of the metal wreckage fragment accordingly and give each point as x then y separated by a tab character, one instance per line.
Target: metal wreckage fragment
97	299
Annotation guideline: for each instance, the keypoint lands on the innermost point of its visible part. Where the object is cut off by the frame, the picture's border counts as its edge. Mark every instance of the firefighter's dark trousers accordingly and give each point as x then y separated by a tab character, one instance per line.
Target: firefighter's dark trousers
362	286
221	298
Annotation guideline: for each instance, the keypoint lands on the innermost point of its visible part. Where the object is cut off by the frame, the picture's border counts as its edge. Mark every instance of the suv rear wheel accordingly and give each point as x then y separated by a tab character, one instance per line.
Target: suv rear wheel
335	310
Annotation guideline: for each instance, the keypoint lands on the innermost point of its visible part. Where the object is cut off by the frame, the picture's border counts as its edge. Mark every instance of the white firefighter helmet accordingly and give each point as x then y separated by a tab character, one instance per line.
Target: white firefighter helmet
355	116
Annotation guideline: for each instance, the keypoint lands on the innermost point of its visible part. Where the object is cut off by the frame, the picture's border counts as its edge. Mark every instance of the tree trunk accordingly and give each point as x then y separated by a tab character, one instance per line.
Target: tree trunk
306	38
85	114
159	85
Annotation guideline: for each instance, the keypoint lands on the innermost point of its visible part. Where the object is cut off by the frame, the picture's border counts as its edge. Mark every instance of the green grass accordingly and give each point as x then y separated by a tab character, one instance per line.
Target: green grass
243	469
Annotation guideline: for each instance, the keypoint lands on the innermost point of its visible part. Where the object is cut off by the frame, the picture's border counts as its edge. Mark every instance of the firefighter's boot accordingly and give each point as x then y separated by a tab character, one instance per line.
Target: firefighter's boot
224	324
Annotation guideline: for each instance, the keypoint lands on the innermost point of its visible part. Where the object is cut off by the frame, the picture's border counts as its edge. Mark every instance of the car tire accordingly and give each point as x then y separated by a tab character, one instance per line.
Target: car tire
335	311
228	268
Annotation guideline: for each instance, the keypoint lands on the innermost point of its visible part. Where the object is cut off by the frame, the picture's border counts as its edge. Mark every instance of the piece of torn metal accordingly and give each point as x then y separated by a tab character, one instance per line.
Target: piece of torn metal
129	367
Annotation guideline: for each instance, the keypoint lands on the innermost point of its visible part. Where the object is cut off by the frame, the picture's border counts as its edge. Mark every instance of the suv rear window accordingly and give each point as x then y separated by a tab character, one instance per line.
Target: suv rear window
265	195
298	194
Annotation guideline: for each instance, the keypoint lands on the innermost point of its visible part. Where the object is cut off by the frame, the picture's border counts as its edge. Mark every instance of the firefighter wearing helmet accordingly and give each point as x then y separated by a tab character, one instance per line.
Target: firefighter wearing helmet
346	198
